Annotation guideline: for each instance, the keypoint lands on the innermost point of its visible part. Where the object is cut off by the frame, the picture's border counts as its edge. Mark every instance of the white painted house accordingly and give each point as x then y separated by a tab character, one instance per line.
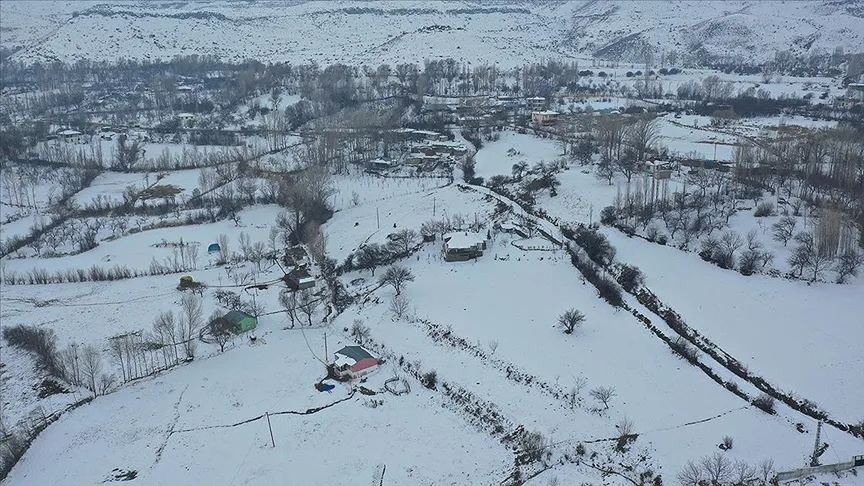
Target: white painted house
70	136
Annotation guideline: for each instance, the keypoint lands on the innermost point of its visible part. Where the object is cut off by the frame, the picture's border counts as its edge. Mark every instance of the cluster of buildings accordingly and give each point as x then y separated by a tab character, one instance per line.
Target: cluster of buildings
483	108
854	95
424	150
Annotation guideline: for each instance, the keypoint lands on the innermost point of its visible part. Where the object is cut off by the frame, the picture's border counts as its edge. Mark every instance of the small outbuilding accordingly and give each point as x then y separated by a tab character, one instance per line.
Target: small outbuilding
353	362
214	248
240	321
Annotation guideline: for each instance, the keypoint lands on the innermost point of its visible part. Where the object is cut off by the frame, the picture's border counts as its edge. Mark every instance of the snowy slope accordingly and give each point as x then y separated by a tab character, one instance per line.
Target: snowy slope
509	33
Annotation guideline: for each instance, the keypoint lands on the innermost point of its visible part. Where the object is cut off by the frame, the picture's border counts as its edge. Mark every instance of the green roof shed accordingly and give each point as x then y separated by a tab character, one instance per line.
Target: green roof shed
241	321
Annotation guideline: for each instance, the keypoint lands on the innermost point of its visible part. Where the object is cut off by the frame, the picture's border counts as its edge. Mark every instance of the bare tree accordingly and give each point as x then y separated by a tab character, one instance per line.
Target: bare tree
316	240
717	468
118	352
220	330
288	300
190	321
402	242
784	229
808	255
493	345
603	395
627	164
307	303
166	328
91	366
730	242
106	382
399	306
848	263
224	249
570	320
606	169
753	242
691	475
397	277
245	242
643	137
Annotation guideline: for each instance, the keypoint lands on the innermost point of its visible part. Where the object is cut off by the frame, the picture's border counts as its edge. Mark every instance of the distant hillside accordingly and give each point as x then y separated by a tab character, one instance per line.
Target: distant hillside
507	32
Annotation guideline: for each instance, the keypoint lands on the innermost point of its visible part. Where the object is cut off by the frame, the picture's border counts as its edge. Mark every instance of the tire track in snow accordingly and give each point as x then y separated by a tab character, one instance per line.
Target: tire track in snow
161	448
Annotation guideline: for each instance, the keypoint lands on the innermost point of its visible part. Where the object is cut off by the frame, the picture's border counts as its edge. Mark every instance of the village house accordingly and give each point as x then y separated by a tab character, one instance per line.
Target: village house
455	149
463	245
186	119
381	164
537	103
855	92
660	169
421	135
70	136
507	102
353	362
420	159
295	256
545	118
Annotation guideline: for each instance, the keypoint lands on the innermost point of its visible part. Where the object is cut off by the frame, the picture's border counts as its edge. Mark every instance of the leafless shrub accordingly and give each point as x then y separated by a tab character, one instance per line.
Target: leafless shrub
765	403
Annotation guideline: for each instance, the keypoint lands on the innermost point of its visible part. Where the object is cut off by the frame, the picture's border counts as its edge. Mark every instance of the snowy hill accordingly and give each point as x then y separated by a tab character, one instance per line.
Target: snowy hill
507	32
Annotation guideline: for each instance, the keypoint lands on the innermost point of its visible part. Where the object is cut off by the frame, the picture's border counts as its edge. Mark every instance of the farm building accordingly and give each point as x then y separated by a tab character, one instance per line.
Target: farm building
295	256
513	229
419	158
381	164
300	279
353	362
462	246
240	321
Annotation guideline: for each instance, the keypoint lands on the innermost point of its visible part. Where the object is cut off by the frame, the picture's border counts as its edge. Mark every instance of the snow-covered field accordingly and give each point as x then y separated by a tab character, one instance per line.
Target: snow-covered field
498	157
508	33
344	444
506	304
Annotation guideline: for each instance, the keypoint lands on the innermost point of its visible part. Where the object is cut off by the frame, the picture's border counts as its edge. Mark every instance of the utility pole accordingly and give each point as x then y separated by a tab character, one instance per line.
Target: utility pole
378	218
433	207
326	354
272	442
814	459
